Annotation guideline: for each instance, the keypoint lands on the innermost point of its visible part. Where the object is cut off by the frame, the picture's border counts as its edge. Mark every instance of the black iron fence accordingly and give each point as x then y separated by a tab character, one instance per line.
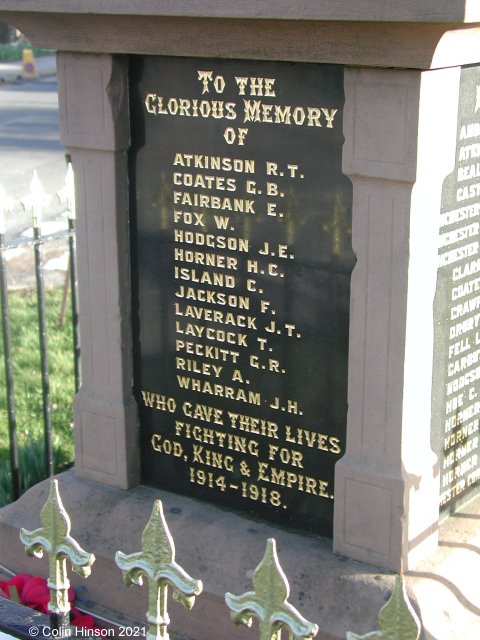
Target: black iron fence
17	476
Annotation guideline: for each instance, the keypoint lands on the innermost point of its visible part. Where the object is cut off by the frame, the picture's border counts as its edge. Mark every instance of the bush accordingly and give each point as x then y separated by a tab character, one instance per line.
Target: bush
9	52
31	461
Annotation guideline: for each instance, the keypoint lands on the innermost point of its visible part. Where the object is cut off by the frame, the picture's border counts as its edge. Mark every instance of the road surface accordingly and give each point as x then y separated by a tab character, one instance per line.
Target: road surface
30	139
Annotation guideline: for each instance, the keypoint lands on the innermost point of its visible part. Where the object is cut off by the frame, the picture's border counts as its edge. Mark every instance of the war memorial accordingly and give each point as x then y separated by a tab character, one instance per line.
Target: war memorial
279	278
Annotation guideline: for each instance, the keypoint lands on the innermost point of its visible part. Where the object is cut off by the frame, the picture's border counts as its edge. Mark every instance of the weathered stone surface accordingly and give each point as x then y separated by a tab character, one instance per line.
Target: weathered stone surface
223	549
398	34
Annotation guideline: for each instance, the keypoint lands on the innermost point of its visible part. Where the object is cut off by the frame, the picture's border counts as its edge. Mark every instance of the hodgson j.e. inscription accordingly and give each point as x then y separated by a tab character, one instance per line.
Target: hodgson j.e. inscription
241	254
456	390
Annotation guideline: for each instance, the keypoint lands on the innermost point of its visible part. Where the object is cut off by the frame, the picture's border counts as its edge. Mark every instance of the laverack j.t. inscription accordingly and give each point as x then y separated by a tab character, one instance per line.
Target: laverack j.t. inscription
241	256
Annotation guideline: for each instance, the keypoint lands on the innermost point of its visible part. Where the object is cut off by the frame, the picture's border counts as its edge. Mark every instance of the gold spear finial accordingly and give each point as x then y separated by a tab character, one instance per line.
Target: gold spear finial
66	195
397	619
36	200
268	602
6	205
156	562
54	538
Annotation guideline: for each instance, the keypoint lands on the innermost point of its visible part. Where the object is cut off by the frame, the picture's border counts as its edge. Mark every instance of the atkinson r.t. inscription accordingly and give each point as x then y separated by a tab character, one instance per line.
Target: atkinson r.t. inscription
241	224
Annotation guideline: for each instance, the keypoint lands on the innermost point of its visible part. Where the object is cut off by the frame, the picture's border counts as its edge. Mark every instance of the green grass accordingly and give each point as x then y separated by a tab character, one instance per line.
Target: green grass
9	52
28	389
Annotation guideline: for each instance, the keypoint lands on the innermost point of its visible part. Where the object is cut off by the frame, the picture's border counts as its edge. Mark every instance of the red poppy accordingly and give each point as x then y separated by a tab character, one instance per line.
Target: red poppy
14	586
79	619
33	592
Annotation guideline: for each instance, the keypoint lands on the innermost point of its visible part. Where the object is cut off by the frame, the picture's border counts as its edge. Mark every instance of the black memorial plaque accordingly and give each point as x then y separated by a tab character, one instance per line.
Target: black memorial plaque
456	388
241	226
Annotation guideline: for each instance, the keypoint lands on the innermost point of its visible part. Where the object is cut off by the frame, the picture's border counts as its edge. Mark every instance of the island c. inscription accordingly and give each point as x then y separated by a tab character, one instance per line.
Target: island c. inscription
241	257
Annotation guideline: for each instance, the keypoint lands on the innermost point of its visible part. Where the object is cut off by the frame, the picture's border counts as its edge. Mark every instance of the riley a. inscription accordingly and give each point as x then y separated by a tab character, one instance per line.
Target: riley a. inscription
241	254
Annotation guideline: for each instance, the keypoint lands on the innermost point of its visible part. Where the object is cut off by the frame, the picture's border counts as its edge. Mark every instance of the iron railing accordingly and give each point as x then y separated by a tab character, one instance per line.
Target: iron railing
34	203
155	562
268	601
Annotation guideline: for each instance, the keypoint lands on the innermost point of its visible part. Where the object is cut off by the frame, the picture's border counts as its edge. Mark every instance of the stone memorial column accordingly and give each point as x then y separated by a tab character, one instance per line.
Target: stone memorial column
399	147
93	100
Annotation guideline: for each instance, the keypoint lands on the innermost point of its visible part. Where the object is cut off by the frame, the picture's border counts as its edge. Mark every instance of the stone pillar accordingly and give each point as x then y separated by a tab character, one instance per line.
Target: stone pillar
94	119
400	130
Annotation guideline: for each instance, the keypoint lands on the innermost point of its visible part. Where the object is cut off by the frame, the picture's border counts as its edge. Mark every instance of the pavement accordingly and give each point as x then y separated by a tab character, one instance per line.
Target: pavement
21	272
12	71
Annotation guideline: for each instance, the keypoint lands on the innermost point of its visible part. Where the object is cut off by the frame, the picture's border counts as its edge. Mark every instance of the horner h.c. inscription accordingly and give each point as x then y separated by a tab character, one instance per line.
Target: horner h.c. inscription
241	254
456	389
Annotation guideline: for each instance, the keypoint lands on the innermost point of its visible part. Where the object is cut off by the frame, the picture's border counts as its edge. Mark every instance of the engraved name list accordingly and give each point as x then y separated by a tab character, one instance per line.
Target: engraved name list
456	399
242	259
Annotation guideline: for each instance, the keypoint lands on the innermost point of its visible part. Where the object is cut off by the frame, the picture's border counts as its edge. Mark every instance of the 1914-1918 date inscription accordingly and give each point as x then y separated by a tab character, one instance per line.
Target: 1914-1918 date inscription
241	254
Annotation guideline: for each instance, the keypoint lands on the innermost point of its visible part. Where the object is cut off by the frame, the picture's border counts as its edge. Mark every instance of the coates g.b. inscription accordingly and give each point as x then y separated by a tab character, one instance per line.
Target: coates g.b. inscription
456	391
242	259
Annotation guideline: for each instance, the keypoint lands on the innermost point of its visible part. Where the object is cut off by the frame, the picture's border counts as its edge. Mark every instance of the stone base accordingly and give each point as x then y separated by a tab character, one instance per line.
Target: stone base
222	549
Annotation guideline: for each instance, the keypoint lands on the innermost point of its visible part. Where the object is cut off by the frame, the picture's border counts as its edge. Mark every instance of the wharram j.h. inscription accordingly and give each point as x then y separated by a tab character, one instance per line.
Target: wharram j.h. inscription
241	225
456	397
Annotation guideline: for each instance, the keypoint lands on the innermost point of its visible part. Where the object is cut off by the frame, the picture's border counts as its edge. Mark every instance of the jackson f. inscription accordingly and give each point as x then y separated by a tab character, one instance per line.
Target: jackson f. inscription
241	254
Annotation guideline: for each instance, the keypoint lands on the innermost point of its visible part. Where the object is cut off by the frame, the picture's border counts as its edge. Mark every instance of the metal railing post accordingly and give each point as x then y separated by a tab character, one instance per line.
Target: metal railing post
268	602
67	196
36	202
397	619
53	538
7	354
156	562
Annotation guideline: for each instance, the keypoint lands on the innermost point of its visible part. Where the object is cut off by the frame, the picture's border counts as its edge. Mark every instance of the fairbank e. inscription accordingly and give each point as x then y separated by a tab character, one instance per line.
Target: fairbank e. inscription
243	258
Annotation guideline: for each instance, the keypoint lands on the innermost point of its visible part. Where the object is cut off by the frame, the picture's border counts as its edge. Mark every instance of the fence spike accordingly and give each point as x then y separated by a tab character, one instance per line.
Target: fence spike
156	561
54	538
36	200
269	603
6	205
66	195
397	619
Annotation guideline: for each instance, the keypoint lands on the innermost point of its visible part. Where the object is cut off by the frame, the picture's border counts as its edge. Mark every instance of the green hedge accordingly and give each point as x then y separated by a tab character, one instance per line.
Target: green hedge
9	52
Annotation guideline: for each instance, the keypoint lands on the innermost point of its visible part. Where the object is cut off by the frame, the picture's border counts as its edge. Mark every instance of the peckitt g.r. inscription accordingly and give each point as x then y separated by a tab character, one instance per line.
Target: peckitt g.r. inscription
241	253
456	390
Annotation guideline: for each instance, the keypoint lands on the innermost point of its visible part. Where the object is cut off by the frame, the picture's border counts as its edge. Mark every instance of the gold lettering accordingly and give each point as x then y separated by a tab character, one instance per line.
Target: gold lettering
166	446
287	456
203	258
216	316
206	351
258	426
203	412
209	458
220	390
312	439
194	199
212	278
291	480
257	111
255	86
157	401
210	240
